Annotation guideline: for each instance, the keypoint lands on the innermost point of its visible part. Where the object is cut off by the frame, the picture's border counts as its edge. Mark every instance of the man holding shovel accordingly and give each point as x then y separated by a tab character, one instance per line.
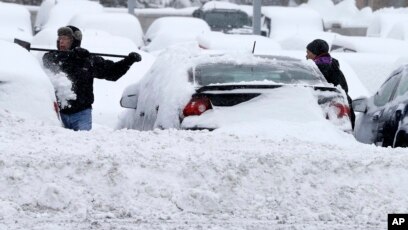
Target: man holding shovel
81	67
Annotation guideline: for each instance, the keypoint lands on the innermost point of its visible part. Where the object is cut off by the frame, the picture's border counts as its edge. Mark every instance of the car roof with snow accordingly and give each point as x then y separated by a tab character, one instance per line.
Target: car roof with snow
60	14
369	44
245	42
117	24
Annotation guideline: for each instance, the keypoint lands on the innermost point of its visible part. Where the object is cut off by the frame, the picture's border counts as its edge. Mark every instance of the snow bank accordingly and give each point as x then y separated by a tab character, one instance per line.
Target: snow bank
55	178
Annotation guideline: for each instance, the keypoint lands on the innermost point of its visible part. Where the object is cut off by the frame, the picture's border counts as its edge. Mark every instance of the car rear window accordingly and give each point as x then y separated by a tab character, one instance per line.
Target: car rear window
229	73
226	20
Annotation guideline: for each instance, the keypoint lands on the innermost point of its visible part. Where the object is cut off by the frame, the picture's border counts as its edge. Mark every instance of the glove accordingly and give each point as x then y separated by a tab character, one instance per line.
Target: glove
133	57
81	52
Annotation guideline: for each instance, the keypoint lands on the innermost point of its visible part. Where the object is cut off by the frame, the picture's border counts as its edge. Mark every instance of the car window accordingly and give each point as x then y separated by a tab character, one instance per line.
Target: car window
385	92
403	86
228	73
226	20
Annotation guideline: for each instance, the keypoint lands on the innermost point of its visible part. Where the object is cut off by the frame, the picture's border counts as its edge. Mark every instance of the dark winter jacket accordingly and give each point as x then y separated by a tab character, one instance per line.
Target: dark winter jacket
330	69
82	71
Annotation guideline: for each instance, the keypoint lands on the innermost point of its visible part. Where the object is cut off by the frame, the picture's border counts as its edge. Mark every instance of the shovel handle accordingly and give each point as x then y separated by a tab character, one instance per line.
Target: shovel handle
98	54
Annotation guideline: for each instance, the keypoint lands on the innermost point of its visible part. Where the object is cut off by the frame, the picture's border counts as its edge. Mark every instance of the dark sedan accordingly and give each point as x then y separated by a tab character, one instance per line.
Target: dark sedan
384	117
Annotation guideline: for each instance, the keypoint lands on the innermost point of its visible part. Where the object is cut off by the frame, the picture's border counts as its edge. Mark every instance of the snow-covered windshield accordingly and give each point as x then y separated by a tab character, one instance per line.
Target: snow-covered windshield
220	73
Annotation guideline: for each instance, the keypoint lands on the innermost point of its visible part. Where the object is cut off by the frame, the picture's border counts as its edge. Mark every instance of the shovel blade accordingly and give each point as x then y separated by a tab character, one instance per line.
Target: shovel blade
24	44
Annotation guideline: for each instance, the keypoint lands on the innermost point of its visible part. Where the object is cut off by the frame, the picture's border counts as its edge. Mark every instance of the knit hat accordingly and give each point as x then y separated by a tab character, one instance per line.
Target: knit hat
71	31
318	47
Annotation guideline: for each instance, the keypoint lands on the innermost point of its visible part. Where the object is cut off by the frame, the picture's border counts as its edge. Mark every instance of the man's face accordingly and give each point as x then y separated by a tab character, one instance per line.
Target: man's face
310	55
65	42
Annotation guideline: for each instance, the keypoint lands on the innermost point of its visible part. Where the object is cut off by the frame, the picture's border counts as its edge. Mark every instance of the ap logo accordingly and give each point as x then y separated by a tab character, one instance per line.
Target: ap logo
397	221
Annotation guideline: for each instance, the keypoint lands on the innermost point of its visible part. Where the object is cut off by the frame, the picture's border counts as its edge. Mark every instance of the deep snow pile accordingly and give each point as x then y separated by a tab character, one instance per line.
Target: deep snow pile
55	178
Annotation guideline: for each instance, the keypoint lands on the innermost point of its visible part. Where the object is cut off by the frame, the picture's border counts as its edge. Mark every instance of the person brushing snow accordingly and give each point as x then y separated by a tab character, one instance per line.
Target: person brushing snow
81	68
318	51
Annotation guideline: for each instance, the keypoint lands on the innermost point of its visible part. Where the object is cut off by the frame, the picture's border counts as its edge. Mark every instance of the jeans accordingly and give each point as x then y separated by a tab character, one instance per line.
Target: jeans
81	120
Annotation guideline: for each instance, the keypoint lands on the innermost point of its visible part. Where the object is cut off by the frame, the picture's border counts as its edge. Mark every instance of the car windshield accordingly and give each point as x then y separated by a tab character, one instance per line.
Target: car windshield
222	73
225	19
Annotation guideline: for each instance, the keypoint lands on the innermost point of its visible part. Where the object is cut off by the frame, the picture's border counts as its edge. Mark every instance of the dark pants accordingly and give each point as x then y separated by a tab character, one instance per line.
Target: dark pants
81	120
352	114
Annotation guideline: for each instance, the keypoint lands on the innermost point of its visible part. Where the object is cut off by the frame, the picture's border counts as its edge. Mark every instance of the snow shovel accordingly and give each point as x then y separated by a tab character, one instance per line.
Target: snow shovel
28	47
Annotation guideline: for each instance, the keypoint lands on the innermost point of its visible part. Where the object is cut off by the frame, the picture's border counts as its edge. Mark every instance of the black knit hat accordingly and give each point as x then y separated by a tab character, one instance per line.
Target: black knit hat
318	47
73	32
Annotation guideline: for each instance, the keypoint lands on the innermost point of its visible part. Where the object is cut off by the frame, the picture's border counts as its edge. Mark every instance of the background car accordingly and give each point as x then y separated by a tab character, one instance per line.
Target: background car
25	90
384	116
118	24
207	91
15	22
224	16
374	45
167	31
54	14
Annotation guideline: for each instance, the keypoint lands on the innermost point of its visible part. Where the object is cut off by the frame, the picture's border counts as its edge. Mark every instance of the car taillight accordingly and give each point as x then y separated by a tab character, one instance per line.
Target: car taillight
342	110
56	109
197	106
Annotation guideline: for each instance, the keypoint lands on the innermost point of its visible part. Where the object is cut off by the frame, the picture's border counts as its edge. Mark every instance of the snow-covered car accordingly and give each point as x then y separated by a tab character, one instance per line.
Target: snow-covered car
118	24
224	16
25	89
15	22
187	90
235	42
377	45
54	14
384	116
167	31
281	22
384	21
293	27
399	31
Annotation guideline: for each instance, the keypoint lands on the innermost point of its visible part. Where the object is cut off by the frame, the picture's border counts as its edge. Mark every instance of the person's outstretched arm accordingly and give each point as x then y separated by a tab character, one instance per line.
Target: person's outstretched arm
112	71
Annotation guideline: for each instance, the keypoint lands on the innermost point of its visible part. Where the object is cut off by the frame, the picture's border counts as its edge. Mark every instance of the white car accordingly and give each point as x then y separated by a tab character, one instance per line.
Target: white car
293	27
187	90
282	22
399	31
54	14
167	31
225	17
384	21
374	45
15	22
119	24
25	89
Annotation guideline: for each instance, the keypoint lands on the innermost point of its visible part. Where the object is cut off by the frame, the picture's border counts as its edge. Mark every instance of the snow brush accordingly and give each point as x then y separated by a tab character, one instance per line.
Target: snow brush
27	46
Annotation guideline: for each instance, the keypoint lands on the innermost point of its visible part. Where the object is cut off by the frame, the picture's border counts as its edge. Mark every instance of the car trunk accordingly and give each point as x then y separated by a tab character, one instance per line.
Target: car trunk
230	95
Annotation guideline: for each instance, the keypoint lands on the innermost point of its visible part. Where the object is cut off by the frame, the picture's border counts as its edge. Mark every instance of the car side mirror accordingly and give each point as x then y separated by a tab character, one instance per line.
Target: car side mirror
129	101
360	105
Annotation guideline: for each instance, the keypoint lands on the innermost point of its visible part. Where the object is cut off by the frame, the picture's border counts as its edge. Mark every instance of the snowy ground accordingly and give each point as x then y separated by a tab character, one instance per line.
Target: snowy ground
55	178
283	175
